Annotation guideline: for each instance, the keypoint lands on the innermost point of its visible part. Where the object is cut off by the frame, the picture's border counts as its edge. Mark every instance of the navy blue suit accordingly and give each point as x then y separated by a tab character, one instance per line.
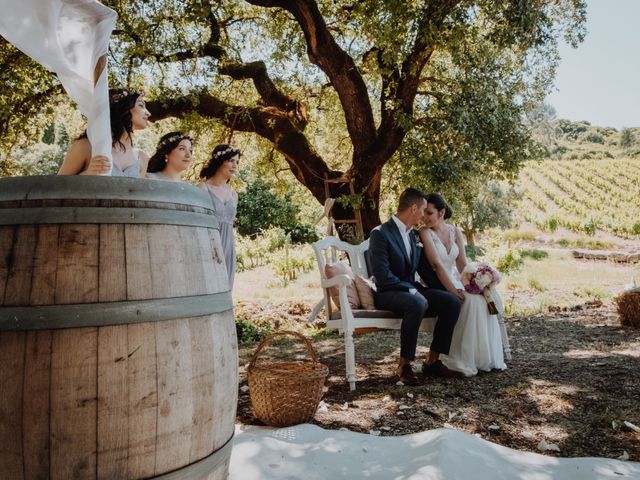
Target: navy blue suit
394	276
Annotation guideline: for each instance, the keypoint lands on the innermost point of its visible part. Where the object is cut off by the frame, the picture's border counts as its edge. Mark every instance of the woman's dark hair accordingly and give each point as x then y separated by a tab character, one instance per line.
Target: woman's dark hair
220	154
440	203
121	101
167	143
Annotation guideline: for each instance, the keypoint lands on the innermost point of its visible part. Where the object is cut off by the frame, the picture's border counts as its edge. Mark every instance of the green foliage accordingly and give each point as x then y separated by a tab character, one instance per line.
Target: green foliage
49	135
259	209
289	263
534	254
473	252
627	139
551	224
250	332
509	262
491	206
255	251
594	138
41	159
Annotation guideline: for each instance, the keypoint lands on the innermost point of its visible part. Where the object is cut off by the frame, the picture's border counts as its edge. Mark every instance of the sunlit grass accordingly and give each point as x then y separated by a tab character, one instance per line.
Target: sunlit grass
561	280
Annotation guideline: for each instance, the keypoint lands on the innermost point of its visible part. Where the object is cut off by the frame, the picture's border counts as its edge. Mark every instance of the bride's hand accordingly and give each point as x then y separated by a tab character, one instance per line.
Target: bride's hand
460	294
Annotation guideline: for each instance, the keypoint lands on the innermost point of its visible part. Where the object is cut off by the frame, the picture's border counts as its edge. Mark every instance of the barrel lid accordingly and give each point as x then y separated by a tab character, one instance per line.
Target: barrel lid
54	187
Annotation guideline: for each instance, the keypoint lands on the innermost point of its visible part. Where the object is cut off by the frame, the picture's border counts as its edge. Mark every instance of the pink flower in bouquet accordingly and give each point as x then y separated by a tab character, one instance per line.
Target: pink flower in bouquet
478	279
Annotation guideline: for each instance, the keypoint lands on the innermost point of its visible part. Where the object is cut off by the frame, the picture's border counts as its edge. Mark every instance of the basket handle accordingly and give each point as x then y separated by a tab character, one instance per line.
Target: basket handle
282	333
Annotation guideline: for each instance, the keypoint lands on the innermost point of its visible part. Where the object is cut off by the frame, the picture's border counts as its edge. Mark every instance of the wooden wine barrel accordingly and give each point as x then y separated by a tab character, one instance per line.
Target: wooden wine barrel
118	350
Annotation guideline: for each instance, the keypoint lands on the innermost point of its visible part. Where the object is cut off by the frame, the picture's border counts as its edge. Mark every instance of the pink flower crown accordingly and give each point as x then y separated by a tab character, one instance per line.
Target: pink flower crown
119	96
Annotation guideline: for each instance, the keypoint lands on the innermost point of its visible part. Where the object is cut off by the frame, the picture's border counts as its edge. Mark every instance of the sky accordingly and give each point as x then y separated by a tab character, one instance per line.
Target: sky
600	80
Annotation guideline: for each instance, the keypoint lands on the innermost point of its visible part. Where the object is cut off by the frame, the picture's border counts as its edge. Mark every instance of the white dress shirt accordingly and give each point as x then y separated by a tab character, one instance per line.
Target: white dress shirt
404	233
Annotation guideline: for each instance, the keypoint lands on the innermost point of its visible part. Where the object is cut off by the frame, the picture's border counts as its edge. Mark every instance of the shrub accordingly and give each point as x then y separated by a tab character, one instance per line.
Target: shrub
473	252
551	224
509	262
249	332
594	138
589	227
534	254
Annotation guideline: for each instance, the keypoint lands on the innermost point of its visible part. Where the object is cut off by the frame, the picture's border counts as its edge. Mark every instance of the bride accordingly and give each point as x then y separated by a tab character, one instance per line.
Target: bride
476	343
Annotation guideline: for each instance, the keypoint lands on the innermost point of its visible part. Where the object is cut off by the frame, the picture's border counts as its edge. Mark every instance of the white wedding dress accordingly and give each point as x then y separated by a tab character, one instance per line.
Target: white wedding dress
476	343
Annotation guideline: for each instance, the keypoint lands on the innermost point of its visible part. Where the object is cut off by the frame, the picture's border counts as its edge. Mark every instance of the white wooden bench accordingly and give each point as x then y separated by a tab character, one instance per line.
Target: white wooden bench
348	320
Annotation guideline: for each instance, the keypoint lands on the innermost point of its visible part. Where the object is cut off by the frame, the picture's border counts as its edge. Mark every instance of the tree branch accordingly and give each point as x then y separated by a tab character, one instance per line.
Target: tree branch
337	64
269	122
270	94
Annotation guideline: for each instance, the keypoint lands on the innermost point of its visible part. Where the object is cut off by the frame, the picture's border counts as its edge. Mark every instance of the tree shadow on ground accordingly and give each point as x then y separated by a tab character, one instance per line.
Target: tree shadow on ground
573	382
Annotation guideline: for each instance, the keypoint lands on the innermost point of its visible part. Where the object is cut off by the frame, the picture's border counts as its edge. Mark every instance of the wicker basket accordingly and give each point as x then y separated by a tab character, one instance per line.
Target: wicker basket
286	393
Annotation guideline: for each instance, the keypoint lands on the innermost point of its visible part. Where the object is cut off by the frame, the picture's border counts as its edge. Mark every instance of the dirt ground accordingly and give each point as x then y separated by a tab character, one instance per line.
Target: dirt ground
573	383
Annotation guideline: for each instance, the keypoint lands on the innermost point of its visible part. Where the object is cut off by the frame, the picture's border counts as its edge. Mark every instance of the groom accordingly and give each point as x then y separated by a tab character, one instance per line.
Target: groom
394	256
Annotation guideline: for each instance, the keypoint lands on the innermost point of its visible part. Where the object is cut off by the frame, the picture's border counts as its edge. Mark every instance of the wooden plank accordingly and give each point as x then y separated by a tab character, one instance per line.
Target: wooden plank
194	261
219	279
112	276
143	400
175	406
113	402
211	270
6	258
203	388
35	418
45	264
77	277
168	274
138	262
20	272
12	346
73	403
225	361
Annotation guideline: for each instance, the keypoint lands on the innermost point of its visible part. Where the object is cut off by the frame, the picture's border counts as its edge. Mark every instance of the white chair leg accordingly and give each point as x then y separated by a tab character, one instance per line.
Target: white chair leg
316	310
350	358
506	347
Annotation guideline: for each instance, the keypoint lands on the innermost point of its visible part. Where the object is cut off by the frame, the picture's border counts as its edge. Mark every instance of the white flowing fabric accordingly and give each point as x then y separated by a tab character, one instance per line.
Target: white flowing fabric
70	38
477	342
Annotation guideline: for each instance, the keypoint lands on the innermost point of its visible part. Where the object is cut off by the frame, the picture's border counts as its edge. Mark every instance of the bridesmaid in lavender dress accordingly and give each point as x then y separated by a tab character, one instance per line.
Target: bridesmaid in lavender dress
171	158
220	168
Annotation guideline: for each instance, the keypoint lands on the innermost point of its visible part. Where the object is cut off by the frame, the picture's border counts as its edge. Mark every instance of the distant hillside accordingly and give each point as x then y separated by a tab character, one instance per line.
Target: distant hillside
567	140
589	192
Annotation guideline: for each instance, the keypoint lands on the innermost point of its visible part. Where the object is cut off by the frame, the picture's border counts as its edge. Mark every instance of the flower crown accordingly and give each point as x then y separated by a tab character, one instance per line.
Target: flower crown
176	137
226	151
119	96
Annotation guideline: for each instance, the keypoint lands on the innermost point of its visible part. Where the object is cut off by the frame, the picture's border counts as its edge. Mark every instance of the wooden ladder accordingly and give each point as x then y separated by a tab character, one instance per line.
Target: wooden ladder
356	221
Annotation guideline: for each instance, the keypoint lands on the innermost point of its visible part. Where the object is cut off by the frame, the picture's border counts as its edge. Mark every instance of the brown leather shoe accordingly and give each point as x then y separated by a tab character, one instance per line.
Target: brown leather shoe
438	369
407	375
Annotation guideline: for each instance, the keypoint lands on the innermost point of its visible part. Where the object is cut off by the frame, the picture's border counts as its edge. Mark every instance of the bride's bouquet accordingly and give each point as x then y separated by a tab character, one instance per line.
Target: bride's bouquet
481	278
